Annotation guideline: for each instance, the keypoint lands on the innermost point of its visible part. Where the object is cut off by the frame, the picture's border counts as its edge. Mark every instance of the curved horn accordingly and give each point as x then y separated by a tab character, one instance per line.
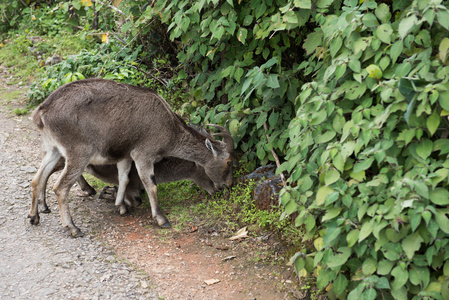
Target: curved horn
227	138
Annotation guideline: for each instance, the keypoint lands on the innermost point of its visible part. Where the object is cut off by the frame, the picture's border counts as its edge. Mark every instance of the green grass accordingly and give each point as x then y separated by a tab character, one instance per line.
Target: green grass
188	205
15	52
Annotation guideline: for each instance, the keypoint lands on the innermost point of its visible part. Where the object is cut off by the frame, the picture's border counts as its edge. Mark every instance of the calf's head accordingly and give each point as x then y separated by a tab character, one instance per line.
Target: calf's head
219	169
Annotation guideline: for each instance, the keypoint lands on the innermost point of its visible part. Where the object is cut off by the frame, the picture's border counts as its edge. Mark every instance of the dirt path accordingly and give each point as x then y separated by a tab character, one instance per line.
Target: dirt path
120	257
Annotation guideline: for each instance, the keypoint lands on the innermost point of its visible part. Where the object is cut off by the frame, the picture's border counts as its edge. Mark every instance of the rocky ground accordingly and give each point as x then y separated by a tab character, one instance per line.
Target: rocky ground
119	257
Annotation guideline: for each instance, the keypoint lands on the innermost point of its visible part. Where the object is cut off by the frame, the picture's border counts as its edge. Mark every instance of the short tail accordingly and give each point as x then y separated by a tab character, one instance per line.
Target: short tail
37	118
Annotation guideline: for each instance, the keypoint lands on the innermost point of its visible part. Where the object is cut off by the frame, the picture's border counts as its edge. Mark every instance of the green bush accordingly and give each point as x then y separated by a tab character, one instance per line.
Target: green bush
368	152
238	74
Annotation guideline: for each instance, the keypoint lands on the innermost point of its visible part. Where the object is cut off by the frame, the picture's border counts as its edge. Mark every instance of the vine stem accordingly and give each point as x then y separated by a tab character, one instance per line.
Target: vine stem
276	158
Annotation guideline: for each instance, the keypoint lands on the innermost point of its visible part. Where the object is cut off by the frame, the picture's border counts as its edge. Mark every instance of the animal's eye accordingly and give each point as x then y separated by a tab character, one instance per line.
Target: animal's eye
229	163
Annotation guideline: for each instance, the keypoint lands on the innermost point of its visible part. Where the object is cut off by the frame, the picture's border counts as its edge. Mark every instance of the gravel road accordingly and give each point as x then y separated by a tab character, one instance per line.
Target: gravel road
43	262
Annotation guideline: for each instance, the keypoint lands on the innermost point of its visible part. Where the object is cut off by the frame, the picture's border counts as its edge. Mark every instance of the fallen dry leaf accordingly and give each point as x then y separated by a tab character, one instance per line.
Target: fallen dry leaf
211	281
222	248
242	233
229	257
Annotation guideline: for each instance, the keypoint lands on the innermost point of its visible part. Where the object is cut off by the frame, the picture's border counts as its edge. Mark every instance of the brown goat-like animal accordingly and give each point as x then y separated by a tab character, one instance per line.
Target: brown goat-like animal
98	122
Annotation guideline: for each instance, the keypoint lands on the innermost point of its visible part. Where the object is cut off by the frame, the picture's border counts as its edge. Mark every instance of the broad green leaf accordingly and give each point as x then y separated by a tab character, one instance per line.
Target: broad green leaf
374	71
324	3
318	243
352	237
355	91
442	221
273	119
406	25
335	45
262	119
313	40
443	49
440	196
370	20
354	64
369	294
383	12
411	244
365	231
359	176
331	234
238	74
318	117
331	176
363	165
272	81
331	213
433	121
260	153
356	293
424	149
446	268
339	259
384	32
347	149
414	276
326	137
400	277
369	266
384	267
234	126
403	69
443	18
443	99
246	85
242	33
360	45
396	50
340	284
416	220
322	194
422	189
305	4
339	162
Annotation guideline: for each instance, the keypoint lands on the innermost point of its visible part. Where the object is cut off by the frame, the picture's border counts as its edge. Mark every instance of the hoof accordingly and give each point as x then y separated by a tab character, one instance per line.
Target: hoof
138	200
91	192
46	210
166	225
34	220
77	234
123	211
125	214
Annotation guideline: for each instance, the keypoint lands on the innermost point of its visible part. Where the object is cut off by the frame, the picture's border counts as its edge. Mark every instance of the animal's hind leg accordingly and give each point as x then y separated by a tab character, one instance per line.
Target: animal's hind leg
39	182
72	171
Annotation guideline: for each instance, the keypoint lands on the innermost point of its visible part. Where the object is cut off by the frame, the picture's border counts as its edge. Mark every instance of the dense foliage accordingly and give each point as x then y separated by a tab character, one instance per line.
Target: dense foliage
368	148
352	95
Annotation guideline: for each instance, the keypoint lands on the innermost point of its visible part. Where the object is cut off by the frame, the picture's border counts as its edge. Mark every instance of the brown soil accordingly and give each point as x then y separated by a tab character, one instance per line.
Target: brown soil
180	263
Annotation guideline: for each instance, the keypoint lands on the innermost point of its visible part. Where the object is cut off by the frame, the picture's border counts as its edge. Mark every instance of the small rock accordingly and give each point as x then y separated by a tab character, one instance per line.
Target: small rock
28	169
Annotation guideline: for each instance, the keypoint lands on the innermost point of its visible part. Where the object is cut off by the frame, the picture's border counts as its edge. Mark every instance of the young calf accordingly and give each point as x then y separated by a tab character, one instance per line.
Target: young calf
167	170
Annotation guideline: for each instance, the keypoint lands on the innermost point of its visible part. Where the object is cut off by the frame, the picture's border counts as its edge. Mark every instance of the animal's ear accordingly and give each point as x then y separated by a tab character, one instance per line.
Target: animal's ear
210	147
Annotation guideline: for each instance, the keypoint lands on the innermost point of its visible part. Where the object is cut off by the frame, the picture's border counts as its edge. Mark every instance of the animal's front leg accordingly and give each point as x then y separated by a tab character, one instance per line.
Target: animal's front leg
123	168
146	173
